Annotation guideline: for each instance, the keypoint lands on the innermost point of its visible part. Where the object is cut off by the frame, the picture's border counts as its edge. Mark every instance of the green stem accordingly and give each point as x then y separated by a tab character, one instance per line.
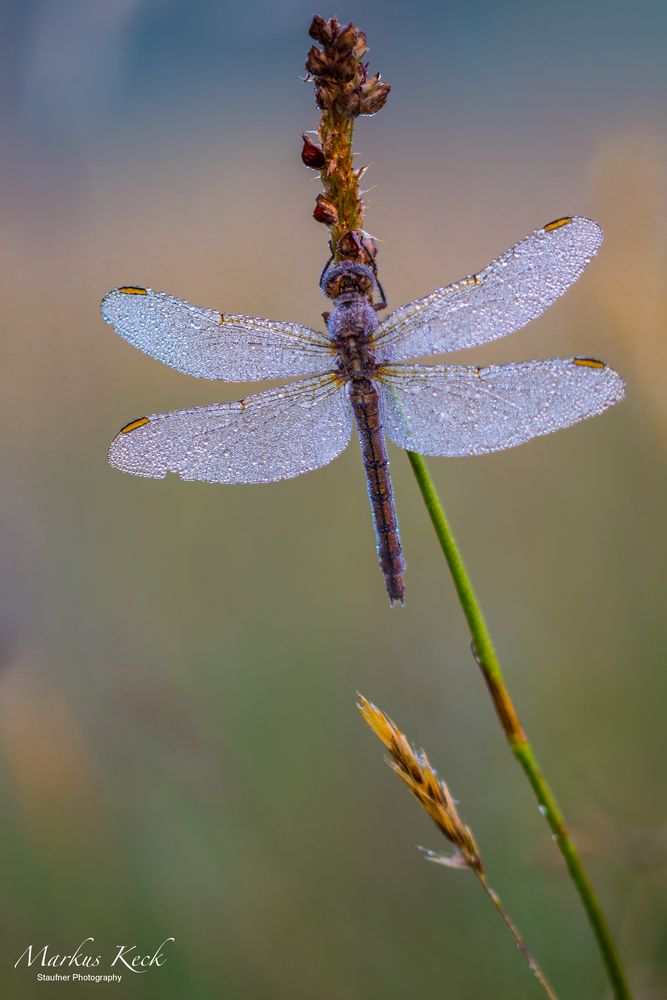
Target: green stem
487	659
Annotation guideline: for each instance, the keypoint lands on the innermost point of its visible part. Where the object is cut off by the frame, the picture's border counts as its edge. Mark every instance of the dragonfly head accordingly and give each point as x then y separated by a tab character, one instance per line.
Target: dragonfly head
345	281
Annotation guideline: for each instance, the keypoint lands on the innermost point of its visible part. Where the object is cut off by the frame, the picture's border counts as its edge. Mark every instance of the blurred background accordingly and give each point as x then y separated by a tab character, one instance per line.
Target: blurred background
179	750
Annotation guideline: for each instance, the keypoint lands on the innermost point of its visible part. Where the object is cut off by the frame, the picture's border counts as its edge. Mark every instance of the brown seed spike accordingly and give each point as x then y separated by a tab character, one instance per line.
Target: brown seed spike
343	91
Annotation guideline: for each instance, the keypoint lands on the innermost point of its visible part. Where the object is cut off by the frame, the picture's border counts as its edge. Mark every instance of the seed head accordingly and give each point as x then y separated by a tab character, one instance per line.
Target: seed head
338	71
430	791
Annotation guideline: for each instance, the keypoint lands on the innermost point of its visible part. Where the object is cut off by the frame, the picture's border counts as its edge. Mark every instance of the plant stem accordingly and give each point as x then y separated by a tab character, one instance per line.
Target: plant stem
516	934
341	183
489	664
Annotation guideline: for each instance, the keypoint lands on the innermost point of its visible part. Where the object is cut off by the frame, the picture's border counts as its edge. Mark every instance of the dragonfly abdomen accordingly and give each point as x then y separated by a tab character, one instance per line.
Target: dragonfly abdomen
365	402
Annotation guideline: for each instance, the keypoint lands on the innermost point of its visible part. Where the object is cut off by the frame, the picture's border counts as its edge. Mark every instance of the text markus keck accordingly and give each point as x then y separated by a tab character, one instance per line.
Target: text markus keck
127	955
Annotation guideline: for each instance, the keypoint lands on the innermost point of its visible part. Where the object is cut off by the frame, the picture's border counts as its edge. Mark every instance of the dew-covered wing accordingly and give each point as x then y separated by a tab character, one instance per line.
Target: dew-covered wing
502	298
464	410
268	436
210	344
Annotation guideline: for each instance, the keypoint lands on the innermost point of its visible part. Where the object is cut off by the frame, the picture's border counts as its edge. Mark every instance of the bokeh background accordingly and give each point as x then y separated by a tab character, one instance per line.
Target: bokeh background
179	750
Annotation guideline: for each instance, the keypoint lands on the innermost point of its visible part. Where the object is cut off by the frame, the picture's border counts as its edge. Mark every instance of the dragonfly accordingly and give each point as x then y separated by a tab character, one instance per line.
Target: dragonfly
356	372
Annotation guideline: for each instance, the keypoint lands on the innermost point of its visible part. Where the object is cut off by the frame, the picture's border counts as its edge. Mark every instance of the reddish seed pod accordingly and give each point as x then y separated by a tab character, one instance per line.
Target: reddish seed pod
312	154
325	211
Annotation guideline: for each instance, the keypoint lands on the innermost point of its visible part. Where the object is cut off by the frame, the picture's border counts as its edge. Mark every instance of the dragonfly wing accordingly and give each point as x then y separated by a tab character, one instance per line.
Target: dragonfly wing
502	298
268	436
464	410
208	344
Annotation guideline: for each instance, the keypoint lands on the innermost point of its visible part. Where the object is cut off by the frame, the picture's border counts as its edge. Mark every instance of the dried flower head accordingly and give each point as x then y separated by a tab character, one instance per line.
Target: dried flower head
339	74
343	91
430	791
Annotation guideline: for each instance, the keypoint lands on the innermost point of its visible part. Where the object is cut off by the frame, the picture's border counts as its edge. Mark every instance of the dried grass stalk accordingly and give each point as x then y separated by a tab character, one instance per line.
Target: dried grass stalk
433	795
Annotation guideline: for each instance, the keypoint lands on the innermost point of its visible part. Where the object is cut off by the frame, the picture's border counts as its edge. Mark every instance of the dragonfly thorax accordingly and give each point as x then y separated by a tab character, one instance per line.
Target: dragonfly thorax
353	321
351	326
